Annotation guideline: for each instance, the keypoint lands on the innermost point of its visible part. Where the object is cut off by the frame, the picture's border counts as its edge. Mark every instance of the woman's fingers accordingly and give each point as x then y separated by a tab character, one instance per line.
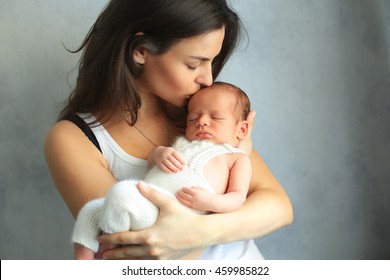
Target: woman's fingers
136	245
165	203
136	252
168	238
122	238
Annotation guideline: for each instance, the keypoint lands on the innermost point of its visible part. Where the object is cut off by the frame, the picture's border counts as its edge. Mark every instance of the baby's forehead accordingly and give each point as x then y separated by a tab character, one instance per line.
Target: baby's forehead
215	90
212	98
212	108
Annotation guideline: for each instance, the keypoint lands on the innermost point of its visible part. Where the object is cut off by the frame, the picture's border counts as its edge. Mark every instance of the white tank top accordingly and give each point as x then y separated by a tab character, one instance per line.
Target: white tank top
124	166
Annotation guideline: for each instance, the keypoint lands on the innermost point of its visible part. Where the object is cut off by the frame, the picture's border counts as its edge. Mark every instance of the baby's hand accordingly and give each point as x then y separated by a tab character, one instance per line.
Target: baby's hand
195	198
168	159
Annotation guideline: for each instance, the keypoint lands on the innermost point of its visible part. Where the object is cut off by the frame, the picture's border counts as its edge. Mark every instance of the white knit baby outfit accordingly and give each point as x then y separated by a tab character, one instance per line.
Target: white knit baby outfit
125	208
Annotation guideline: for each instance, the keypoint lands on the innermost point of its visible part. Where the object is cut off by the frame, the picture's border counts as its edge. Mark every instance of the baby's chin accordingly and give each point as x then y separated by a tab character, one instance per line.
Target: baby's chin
198	137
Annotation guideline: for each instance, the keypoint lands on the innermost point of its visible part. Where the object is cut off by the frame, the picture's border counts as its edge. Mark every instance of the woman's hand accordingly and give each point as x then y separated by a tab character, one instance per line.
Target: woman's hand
177	234
246	144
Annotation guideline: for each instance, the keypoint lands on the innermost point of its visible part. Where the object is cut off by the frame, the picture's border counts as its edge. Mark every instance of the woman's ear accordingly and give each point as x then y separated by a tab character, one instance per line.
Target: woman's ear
243	129
140	52
139	55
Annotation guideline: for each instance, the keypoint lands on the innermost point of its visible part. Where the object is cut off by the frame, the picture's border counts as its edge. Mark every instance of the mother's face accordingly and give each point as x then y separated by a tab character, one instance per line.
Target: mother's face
177	74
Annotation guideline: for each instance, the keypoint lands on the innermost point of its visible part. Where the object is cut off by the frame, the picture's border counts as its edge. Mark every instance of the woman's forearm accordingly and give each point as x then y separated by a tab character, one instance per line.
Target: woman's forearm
179	231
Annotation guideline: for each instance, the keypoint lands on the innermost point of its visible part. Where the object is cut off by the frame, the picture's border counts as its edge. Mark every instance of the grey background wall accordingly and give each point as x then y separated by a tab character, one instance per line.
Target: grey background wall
318	74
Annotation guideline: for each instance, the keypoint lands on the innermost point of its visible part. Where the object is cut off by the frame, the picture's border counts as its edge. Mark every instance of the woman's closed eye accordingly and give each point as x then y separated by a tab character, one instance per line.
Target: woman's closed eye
192	67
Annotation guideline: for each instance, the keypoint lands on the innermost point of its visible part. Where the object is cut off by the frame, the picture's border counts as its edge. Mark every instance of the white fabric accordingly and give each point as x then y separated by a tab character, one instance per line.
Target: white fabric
86	229
125	208
196	154
121	164
124	166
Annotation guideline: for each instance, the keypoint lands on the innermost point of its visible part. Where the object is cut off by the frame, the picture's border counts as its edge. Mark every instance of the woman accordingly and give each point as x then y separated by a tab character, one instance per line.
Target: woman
141	62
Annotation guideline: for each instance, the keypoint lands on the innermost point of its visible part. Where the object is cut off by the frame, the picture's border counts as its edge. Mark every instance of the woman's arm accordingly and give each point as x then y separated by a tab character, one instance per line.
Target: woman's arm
78	169
179	231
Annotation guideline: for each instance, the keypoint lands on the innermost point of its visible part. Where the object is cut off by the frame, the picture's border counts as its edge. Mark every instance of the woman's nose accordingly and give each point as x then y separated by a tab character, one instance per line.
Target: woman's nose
206	77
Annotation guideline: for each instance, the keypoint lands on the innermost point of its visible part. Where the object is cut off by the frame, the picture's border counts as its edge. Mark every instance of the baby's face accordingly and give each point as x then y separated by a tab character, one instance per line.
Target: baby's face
212	116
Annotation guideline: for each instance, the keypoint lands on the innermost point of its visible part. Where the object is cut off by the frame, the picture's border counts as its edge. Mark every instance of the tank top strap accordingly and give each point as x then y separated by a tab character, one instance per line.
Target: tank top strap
77	120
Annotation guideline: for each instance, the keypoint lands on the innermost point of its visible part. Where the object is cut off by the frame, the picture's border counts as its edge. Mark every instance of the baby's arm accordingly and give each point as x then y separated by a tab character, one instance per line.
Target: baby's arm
167	158
234	197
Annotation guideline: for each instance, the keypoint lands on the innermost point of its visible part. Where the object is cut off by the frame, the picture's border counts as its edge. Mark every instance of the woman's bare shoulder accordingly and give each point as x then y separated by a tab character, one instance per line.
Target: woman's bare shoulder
72	158
63	135
65	138
61	129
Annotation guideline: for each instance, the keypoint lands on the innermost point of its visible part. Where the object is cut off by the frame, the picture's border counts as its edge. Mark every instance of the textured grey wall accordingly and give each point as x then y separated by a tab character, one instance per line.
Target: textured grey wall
318	74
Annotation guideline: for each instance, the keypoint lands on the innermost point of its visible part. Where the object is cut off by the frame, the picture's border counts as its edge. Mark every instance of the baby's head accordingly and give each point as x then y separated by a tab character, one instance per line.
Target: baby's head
218	113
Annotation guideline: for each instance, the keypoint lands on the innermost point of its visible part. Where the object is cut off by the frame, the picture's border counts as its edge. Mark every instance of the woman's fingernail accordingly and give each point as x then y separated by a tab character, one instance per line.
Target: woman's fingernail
143	185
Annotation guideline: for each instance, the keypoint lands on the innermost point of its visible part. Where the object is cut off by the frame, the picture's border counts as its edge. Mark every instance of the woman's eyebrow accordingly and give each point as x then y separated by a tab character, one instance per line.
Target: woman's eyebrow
201	58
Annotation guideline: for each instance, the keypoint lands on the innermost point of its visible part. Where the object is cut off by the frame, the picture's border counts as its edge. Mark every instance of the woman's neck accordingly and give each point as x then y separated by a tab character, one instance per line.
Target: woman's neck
151	108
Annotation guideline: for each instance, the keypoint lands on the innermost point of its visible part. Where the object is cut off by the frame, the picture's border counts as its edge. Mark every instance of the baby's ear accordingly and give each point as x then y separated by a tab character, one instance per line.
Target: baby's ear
243	129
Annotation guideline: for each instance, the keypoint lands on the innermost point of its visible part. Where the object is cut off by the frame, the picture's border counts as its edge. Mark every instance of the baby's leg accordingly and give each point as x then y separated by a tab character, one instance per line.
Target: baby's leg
126	209
83	253
86	230
104	247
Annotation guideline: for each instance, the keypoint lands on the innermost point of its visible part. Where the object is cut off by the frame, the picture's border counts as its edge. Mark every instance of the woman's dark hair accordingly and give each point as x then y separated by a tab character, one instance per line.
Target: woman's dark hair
107	72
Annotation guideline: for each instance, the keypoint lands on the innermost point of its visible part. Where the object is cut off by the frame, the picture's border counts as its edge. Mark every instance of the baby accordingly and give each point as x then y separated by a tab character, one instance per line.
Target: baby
203	170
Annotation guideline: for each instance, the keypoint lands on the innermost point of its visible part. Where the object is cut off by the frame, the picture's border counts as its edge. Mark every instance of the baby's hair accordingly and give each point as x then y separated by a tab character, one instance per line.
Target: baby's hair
243	105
